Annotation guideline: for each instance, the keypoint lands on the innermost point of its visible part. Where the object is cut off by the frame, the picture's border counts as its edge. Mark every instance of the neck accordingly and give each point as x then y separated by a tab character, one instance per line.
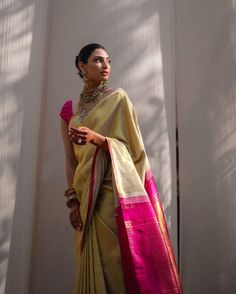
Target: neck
92	85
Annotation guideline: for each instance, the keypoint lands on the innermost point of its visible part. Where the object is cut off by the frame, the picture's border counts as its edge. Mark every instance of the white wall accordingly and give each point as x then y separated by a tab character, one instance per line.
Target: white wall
139	37
206	87
22	35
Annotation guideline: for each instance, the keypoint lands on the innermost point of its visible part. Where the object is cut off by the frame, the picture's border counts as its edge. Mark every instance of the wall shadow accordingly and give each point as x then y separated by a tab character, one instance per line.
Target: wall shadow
208	172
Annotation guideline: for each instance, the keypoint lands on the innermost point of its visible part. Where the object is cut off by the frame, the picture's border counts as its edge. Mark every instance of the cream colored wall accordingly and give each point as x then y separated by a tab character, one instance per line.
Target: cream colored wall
206	86
139	37
22	34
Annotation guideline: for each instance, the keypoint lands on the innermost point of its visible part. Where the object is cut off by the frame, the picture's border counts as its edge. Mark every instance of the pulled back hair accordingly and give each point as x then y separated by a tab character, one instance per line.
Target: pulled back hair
84	54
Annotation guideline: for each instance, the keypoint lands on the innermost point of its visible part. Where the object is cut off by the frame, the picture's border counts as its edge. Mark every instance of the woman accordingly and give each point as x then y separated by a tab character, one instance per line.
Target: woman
122	242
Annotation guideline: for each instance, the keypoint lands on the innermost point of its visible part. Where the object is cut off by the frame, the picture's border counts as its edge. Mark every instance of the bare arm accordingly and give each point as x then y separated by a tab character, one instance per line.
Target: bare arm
70	160
70	165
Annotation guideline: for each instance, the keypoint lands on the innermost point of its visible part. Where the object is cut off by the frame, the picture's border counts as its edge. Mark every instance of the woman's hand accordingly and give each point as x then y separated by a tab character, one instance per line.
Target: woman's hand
75	218
84	135
81	136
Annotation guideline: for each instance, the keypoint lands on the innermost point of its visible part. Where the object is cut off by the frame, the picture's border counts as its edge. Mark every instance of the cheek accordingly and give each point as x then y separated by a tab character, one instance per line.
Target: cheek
94	68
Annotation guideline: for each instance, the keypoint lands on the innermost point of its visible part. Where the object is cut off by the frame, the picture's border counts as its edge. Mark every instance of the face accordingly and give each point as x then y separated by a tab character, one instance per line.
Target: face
98	67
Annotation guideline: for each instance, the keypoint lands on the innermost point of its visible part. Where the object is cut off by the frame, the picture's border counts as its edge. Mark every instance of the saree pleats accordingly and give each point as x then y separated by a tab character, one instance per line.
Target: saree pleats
97	248
125	245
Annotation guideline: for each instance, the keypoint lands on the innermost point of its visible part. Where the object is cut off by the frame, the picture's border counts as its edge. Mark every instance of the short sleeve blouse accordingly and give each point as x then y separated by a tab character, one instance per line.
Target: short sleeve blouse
66	111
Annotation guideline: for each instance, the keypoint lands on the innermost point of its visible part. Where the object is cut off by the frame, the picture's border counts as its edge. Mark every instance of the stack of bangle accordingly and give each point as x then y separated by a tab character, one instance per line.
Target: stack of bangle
70	195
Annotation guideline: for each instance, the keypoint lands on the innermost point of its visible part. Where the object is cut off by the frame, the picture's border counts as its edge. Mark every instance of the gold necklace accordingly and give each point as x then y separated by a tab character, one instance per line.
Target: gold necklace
89	99
92	94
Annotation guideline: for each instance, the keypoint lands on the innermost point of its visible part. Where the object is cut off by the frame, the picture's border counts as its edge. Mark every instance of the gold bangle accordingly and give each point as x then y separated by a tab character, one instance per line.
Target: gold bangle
69	192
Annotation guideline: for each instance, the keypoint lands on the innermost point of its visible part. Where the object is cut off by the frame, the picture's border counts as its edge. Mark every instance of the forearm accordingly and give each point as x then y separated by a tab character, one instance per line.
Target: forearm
100	141
70	172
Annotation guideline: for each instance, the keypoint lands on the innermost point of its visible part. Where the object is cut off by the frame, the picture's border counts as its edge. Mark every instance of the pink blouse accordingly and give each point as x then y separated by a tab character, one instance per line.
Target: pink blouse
66	111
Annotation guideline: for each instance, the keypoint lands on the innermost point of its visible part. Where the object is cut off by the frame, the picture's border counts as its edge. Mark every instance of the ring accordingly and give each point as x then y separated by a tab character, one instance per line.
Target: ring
79	140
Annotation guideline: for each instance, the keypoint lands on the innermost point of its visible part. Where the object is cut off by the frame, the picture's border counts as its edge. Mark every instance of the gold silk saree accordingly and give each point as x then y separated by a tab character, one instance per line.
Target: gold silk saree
124	246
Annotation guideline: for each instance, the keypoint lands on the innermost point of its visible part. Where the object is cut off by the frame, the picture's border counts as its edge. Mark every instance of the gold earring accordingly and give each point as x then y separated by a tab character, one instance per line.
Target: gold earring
85	79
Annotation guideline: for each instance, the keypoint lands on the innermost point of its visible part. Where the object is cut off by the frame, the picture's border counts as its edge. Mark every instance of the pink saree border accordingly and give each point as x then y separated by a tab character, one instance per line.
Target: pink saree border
151	188
145	272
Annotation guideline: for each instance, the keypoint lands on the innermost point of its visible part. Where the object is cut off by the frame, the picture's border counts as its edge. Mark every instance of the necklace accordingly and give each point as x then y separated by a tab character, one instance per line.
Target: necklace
89	99
89	95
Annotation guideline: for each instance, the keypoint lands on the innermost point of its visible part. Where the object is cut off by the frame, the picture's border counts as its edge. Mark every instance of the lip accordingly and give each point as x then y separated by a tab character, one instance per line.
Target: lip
105	73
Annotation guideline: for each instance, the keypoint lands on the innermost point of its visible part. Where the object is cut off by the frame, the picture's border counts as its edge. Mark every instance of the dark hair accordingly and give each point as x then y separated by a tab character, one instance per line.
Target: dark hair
85	53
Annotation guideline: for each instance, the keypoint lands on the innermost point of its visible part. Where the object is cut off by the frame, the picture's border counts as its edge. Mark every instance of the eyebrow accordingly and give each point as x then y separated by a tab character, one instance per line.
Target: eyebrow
101	56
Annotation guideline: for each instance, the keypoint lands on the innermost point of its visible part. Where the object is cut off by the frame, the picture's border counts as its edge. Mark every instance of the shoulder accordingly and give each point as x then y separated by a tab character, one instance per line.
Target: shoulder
119	102
120	92
121	96
66	110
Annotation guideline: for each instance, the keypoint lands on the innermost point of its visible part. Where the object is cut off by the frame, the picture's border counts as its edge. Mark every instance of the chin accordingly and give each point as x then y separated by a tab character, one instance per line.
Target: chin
105	79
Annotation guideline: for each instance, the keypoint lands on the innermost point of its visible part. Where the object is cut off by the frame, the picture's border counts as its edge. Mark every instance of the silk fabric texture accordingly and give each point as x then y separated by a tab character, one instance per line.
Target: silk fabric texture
124	246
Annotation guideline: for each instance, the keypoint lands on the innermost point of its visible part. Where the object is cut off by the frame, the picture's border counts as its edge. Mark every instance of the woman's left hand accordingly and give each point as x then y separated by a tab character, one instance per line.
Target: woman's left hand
81	135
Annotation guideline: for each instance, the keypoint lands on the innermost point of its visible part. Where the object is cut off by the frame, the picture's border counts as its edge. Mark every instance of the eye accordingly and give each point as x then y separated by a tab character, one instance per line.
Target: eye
109	61
98	59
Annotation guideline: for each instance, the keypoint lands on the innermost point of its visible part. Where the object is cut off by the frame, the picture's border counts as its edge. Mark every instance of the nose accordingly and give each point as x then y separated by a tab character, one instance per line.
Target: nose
105	64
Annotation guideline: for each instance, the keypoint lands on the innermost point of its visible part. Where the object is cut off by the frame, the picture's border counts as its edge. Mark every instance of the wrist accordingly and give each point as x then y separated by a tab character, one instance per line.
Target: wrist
98	140
73	203
93	139
71	197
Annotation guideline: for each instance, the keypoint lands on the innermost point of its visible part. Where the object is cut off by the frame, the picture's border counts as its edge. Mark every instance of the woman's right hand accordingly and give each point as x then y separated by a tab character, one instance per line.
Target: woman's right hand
75	218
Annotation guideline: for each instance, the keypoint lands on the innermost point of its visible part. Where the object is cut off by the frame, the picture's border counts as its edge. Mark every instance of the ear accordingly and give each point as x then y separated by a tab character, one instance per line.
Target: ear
82	67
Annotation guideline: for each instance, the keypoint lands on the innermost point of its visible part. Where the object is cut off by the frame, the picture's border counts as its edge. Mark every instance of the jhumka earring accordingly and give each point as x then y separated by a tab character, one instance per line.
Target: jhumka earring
85	79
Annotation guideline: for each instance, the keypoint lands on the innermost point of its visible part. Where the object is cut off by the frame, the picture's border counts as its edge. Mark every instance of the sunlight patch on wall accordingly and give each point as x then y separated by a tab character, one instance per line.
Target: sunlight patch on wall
15	52
16	48
234	4
120	5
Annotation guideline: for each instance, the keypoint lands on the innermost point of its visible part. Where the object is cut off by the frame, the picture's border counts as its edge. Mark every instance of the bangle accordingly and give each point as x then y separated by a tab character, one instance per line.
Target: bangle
69	192
70	195
70	199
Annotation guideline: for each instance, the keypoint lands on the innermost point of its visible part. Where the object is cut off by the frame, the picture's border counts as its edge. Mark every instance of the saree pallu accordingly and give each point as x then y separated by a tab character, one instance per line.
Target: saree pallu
125	245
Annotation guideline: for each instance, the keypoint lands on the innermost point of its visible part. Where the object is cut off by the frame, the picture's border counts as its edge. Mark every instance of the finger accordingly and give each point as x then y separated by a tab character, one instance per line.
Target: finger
75	217
72	129
76	222
77	226
83	137
82	132
73	134
70	132
80	142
